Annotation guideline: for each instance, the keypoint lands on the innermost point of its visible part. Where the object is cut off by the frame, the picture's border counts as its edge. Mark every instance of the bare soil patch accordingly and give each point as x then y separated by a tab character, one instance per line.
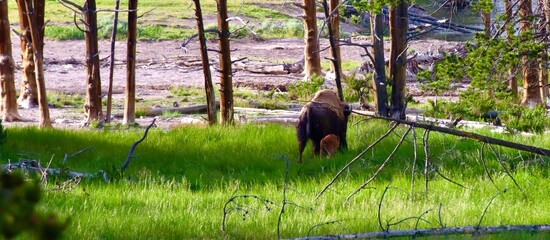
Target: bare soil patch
162	65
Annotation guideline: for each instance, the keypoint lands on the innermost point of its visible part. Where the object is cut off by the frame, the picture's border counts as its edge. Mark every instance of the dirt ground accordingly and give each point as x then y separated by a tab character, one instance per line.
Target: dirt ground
164	64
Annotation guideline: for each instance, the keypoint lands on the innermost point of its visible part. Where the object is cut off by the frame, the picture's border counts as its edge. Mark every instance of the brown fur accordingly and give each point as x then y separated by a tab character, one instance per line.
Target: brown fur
324	115
329	145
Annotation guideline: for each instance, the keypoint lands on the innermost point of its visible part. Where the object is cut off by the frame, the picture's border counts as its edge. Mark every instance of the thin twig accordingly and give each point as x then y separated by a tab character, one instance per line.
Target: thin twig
482	158
76	153
284	202
379	215
355	159
486	207
439	216
505	168
381	166
131	152
414	162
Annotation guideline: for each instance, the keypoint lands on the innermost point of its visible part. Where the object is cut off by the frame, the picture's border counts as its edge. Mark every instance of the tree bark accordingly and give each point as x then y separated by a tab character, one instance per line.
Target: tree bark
208	86
92	107
37	39
28	97
335	25
379	75
312	62
226	79
129	103
512	82
398	57
543	70
334	47
8	108
531	87
112	62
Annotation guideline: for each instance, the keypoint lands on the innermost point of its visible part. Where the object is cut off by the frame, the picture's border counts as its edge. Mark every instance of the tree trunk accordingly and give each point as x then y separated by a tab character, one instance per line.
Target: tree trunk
129	103
28	97
37	39
312	59
8	107
226	80
512	82
112	62
398	57
92	107
379	75
335	25
334	47
543	69
531	87
208	86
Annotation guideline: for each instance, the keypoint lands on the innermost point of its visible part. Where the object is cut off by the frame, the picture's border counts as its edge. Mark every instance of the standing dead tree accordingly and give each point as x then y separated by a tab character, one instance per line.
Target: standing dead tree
226	75
130	100
429	128
88	13
36	24
333	33
208	87
8	106
28	97
112	63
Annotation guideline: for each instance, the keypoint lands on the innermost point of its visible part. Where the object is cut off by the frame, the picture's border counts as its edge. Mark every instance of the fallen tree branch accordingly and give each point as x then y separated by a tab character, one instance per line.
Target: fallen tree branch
479	137
131	152
355	159
542	228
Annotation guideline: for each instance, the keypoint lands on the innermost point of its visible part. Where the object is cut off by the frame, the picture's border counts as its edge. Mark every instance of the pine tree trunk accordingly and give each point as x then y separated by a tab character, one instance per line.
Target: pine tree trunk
398	57
312	59
226	80
92	106
28	97
208	86
129	105
37	39
530	72
8	107
379	76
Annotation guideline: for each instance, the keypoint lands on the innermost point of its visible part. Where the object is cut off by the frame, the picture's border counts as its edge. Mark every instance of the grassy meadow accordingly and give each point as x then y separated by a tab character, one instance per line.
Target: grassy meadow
177	185
171	19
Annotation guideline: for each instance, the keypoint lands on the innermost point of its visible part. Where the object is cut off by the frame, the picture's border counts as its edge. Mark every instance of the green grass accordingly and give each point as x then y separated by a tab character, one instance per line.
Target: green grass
168	19
177	185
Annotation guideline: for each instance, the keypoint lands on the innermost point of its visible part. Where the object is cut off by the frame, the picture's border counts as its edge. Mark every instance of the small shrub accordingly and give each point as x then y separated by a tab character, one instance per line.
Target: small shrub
304	90
356	87
523	119
18	200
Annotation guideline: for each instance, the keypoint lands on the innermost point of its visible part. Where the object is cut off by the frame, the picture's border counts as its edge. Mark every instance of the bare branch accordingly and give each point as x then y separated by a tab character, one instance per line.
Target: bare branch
489	204
71	6
355	159
381	166
131	152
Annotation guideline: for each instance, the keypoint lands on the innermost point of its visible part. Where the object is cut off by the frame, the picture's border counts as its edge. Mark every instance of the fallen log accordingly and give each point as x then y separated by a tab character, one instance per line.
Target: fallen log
156	111
34	166
479	137
476	231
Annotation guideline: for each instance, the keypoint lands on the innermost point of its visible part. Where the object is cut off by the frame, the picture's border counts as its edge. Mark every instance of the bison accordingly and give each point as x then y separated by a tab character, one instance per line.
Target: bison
322	116
329	144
